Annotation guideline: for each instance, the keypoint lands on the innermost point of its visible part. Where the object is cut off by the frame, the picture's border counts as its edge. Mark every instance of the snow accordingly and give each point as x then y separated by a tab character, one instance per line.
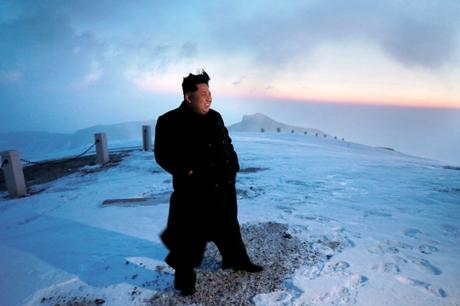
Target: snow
387	225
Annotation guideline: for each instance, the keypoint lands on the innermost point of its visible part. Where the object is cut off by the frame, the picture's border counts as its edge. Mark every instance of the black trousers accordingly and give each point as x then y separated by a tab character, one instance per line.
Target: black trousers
194	220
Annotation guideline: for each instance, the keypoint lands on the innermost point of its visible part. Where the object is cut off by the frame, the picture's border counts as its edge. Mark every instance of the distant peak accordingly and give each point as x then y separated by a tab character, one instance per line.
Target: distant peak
259	115
256	116
260	122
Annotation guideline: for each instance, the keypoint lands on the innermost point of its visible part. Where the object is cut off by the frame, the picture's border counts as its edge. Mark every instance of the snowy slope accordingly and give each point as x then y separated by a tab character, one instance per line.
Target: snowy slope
395	217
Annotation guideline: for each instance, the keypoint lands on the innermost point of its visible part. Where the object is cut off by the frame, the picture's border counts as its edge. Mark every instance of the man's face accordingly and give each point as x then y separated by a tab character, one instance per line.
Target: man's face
200	100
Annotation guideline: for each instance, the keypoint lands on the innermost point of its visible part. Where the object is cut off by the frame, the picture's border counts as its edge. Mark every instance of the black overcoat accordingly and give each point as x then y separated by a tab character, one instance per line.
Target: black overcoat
203	205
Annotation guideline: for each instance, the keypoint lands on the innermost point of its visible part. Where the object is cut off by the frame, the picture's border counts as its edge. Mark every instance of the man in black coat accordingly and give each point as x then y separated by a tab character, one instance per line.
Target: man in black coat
192	144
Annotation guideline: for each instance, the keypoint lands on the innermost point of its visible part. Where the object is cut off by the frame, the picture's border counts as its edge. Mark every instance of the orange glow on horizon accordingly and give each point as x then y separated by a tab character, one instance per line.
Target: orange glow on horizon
408	102
358	100
169	86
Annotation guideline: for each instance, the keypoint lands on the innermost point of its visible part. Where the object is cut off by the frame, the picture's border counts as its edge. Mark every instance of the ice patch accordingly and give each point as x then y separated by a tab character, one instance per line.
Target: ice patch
277	298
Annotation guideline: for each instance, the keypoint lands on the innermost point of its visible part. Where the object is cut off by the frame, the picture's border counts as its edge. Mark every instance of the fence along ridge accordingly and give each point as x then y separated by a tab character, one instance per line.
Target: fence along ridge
14	175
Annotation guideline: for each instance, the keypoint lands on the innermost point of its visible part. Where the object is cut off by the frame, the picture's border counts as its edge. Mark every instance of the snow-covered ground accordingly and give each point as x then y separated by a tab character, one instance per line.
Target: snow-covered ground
395	217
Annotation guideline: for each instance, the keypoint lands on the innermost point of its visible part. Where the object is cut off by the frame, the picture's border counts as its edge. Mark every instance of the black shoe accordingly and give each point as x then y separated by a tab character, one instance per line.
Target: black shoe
248	267
184	281
226	265
187	291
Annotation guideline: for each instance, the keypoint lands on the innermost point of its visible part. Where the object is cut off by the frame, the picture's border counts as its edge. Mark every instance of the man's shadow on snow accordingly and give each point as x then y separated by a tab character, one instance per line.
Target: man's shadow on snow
97	256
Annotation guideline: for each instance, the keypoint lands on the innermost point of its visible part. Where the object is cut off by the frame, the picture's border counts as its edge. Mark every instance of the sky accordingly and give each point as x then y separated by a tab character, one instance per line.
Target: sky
66	65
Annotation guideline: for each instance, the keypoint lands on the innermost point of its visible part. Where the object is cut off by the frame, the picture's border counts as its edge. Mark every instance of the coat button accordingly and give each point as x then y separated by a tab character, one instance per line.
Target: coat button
212	164
216	185
209	145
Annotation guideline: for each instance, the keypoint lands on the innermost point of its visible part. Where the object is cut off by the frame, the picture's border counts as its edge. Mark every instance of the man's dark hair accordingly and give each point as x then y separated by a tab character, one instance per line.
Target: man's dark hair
190	82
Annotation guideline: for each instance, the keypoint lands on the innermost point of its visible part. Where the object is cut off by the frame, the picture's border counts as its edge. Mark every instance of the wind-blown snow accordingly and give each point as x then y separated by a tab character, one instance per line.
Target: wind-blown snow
390	223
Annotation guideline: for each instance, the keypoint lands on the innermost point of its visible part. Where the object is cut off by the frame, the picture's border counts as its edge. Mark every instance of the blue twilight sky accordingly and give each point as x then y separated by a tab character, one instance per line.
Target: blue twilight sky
378	72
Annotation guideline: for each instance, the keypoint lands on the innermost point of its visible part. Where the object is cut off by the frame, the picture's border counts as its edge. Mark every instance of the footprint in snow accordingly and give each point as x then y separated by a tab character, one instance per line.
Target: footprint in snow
280	298
330	269
399	259
412	232
451	231
377	214
389	247
313	271
288	210
386	267
356	281
427	249
317	218
382	249
425	265
339	267
344	294
422	285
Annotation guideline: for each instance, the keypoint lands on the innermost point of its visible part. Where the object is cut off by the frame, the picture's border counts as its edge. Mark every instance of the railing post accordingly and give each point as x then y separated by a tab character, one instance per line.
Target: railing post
14	174
147	137
102	152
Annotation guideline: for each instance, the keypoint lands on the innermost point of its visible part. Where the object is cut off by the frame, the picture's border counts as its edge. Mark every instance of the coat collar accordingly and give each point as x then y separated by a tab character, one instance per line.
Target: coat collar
184	108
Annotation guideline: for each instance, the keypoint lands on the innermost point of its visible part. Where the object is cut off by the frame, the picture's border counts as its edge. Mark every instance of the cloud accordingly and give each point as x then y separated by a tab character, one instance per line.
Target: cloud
93	76
426	35
414	33
155	35
43	45
56	42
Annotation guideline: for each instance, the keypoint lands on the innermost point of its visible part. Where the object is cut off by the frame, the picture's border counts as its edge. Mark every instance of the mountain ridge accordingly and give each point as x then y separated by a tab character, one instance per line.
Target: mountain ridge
33	143
259	122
